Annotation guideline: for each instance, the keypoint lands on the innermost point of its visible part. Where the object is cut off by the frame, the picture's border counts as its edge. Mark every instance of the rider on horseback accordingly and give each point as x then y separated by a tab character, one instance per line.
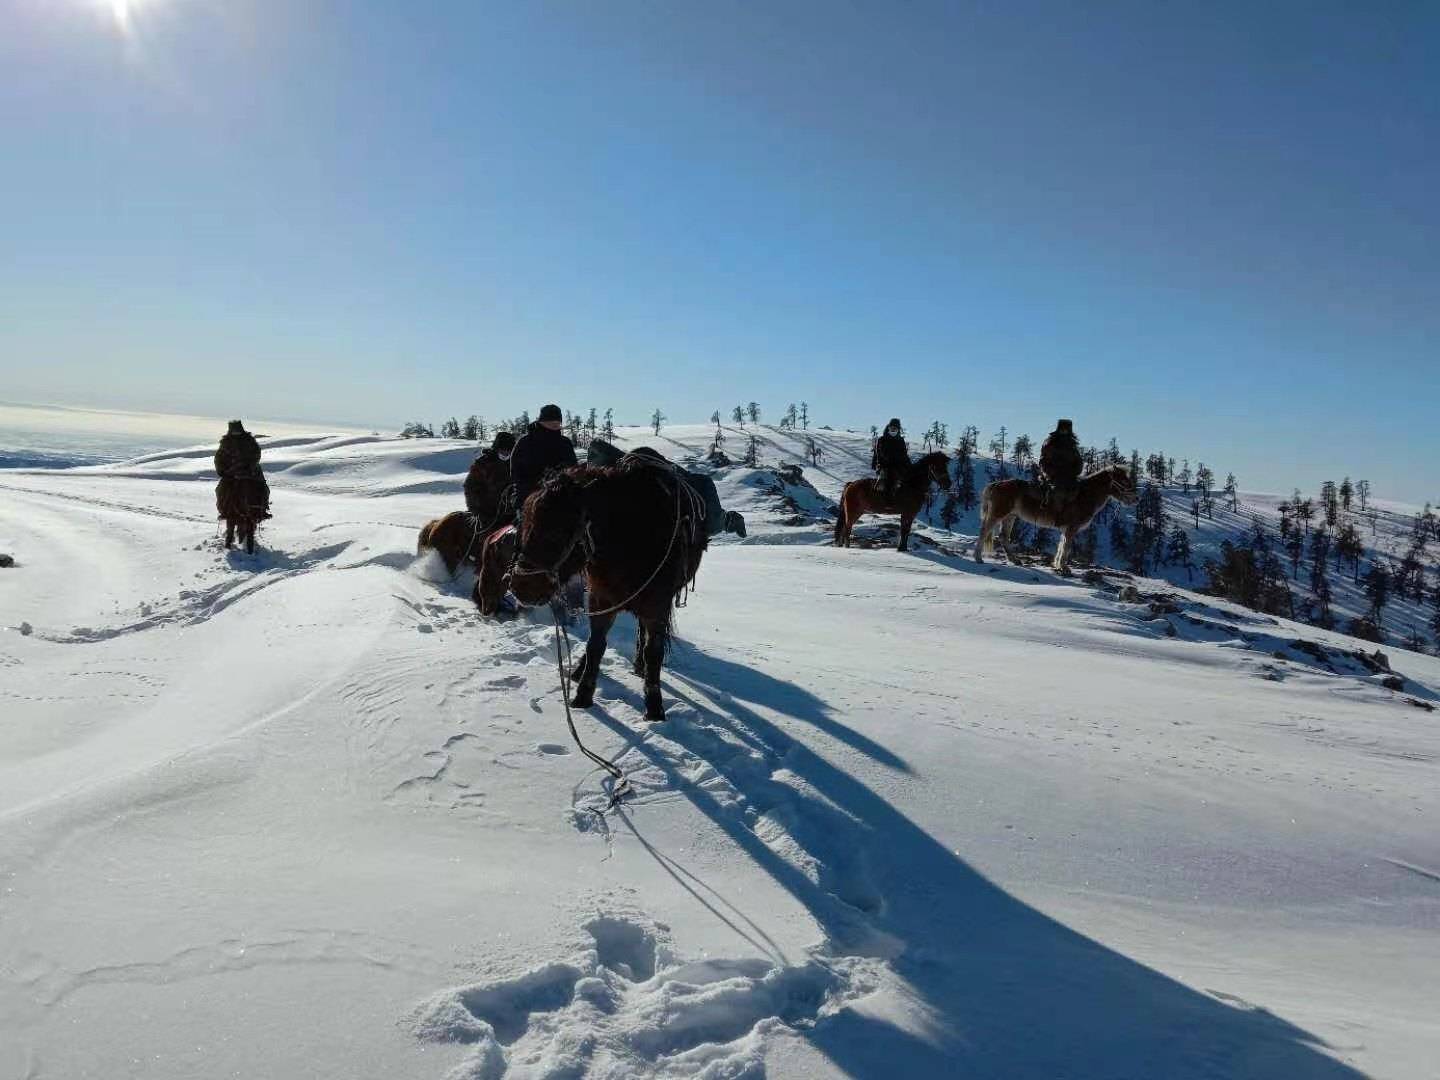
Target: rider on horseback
237	461
541	450
1061	461
489	477
890	458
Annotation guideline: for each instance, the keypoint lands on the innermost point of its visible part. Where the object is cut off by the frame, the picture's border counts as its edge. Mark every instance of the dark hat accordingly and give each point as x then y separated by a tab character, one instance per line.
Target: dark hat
504	440
551	412
894	422
1064	425
236	425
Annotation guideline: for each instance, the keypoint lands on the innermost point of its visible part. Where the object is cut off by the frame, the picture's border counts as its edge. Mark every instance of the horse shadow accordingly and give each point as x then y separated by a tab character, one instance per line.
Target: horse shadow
995	987
726	680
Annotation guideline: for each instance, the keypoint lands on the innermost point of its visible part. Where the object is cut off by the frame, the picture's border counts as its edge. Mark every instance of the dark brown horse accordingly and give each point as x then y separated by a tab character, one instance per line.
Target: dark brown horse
242	502
863	497
1005	500
497	552
639	534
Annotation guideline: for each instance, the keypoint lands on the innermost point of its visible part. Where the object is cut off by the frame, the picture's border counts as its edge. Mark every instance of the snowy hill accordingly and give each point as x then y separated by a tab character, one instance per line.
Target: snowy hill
307	814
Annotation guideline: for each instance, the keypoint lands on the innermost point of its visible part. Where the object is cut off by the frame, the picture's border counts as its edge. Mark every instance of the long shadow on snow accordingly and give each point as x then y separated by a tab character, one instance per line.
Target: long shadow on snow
1003	989
727	679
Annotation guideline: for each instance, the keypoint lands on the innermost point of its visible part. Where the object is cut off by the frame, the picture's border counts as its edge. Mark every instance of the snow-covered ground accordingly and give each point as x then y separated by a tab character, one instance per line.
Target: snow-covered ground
306	814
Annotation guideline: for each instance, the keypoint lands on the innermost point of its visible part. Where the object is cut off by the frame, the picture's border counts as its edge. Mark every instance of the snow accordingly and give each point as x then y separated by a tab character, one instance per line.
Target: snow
307	814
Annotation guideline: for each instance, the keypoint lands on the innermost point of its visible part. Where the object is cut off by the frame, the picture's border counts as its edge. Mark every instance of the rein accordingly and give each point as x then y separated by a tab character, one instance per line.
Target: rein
622	787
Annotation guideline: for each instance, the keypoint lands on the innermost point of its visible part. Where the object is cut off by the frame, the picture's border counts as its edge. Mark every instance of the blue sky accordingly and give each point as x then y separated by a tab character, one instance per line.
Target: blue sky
1211	229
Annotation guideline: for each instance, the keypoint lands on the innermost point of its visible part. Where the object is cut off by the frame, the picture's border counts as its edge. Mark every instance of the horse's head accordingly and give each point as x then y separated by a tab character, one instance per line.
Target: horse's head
1122	485
553	531
937	468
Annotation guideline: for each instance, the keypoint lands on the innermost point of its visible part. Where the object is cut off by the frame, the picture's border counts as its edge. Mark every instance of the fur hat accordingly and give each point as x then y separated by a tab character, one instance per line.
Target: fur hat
236	426
894	423
1066	426
551	413
504	440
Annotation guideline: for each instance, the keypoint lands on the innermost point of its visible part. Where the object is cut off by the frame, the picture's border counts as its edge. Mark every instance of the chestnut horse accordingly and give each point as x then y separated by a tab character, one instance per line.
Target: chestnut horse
1005	500
865	496
456	536
639	534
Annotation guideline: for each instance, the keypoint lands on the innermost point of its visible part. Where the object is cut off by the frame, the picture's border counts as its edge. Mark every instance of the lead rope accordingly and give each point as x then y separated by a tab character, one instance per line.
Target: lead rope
622	787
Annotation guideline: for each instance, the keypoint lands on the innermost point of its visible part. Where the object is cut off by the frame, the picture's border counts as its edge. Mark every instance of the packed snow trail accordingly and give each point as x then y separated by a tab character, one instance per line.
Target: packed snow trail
307	814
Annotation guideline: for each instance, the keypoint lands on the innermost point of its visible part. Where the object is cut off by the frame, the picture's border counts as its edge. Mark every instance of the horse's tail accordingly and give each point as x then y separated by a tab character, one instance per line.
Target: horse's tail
840	517
426	534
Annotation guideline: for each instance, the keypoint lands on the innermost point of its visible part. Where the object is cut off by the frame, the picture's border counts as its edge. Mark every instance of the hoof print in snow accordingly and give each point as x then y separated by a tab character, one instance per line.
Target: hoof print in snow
624	1000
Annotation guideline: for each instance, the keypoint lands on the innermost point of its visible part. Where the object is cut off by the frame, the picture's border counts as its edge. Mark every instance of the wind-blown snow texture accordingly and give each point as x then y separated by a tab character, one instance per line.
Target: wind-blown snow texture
306	814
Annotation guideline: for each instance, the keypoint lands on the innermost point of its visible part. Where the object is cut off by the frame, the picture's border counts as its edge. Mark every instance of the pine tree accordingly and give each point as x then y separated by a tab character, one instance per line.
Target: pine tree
753	412
1022	453
738	415
608	431
1330	502
1295	547
1305	511
1185	477
792	417
804	416
1347	494
965	470
1435	616
1204	481
719	440
471	430
997	451
1232	492
1362	492
657	418
752	453
591	426
450	429
1377	590
575	428
1178	551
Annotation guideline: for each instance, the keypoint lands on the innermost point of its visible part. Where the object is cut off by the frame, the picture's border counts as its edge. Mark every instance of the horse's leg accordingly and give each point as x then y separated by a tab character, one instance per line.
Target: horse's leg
1007	526
654	657
249	538
906	520
590	665
1062	551
640	638
983	540
229	533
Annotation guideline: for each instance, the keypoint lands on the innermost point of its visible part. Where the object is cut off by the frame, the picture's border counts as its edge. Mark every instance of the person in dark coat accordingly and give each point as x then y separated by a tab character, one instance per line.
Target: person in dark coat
489	477
541	450
890	458
1060	459
237	462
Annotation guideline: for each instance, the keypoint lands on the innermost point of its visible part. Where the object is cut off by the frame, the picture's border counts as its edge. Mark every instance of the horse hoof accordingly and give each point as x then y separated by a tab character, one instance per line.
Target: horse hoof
654	707
583	699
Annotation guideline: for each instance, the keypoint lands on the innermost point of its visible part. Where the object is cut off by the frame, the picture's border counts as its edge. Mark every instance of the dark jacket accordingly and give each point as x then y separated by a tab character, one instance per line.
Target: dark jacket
486	481
1060	459
239	455
890	454
538	452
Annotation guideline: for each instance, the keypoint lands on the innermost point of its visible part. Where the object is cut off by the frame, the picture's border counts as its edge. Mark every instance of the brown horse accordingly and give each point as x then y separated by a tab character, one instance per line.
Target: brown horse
456	536
1005	500
638	533
497	552
863	497
242	502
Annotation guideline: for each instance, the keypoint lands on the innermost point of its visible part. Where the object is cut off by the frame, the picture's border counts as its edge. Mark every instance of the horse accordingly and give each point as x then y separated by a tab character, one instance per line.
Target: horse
456	536
496	554
865	496
241	501
1005	500
638	533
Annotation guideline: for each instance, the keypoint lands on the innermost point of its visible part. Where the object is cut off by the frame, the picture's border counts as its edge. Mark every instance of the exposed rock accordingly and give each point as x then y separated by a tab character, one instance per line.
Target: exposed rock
7	560
1393	682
